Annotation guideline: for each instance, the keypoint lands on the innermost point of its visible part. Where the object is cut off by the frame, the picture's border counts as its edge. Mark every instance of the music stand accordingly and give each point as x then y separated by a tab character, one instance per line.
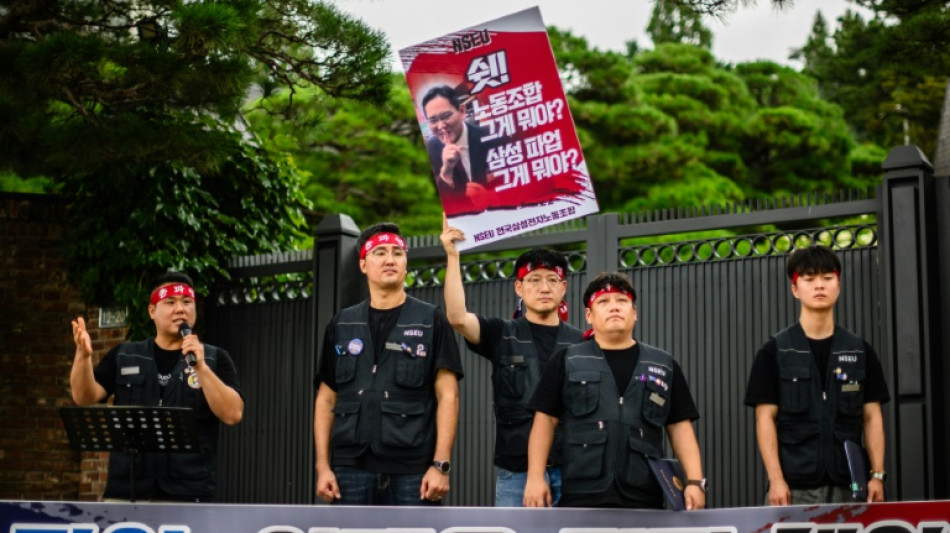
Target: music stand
131	429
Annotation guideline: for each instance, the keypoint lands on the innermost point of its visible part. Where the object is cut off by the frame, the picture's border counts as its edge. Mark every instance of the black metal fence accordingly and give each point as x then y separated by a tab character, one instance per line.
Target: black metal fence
710	301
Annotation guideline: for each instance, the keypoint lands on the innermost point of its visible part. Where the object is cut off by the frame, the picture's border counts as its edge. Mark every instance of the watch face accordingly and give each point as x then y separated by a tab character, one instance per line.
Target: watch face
443	466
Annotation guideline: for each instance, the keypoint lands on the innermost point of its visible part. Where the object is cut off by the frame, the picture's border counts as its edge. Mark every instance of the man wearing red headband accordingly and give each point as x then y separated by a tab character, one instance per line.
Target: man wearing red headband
154	372
518	350
815	385
613	396
387	397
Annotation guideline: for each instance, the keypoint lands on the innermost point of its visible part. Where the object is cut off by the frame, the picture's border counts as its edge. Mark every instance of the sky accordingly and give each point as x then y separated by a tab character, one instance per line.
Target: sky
750	33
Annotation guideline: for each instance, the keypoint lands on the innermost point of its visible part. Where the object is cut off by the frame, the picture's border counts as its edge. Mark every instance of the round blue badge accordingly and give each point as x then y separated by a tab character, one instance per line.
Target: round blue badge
355	347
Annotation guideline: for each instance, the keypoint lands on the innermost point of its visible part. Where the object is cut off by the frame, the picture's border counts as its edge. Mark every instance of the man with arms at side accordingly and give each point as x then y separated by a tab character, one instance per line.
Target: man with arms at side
518	350
613	396
814	385
387	398
154	373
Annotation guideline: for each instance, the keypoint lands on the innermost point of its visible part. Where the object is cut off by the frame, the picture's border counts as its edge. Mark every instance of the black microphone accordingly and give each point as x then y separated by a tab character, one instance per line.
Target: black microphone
184	329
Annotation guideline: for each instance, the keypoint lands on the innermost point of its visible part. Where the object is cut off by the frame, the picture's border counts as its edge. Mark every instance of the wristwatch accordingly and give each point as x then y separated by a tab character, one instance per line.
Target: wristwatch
701	483
879	475
442	466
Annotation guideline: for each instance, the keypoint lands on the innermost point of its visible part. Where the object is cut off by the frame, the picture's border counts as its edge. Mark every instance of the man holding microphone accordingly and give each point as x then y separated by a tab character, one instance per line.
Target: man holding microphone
154	372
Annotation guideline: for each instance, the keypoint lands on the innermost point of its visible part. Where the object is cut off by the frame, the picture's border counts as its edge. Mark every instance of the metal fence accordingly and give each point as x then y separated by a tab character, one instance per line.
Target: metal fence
712	302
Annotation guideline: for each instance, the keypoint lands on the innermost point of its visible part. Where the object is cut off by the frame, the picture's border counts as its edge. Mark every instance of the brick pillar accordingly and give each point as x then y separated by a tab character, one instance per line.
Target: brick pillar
36	352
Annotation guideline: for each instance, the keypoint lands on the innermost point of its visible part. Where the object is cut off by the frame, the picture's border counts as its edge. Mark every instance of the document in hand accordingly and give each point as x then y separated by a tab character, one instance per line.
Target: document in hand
858	467
672	479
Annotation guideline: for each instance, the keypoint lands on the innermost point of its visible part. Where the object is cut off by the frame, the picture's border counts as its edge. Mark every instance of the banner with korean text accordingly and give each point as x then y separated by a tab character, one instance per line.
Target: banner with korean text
504	153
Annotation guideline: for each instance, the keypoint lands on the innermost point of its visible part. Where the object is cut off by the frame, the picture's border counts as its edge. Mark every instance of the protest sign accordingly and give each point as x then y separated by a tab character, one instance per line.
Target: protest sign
501	141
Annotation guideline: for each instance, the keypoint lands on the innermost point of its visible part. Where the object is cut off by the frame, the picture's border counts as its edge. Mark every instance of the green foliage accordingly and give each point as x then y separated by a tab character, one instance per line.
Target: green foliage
132	112
887	73
674	22
132	227
718	8
683	130
366	160
10	182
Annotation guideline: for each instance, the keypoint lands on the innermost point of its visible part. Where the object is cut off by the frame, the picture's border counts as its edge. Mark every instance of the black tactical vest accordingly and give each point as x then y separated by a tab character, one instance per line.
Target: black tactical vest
516	371
813	425
176	474
387	405
608	436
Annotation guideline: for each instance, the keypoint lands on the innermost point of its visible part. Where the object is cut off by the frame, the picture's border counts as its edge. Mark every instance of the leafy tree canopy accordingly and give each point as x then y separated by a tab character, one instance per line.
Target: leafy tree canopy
365	159
674	22
132	111
681	128
888	73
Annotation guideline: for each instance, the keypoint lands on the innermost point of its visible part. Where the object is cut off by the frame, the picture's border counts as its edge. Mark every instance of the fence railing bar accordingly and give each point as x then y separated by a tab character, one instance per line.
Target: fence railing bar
727	221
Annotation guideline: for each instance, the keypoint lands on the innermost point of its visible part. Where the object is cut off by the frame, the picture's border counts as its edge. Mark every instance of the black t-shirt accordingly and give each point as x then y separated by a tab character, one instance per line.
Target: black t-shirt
544	337
106	371
764	377
381	323
548	399
545	340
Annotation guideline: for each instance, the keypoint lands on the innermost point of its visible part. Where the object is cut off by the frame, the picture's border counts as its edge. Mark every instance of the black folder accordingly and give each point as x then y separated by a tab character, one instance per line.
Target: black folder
858	466
672	478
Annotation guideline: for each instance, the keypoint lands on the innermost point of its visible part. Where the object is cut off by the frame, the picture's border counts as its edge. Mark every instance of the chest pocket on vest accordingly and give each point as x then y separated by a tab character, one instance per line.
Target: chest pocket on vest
345	368
583	391
411	369
656	403
511	376
851	392
794	388
130	389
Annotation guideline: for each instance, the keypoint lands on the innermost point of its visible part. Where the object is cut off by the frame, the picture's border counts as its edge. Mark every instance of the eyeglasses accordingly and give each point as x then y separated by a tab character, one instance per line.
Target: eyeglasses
537	282
380	252
441	117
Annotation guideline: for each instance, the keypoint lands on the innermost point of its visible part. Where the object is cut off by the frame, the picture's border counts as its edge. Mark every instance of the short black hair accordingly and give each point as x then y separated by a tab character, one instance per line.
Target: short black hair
617	279
445	92
379	227
811	260
169	277
542	257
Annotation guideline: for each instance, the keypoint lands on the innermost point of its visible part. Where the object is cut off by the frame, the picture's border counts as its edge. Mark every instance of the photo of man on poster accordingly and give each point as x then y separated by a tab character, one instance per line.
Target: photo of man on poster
458	151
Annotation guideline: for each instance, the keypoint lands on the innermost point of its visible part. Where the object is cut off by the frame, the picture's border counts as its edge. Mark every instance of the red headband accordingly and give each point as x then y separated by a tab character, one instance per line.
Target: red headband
530	267
795	276
382	238
169	291
607	290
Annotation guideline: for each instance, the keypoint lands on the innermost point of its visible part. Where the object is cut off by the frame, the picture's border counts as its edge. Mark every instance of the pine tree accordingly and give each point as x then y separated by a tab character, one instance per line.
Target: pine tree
133	111
674	22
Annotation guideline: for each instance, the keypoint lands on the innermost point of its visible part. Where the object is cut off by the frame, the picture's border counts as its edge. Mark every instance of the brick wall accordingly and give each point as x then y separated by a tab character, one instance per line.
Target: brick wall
36	352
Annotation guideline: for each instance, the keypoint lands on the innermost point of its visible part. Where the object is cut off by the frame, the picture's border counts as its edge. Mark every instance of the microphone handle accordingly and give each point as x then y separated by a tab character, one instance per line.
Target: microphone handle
191	359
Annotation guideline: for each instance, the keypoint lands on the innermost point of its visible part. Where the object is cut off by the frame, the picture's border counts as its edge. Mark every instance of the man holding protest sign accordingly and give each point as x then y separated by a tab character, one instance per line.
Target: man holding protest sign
518	350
